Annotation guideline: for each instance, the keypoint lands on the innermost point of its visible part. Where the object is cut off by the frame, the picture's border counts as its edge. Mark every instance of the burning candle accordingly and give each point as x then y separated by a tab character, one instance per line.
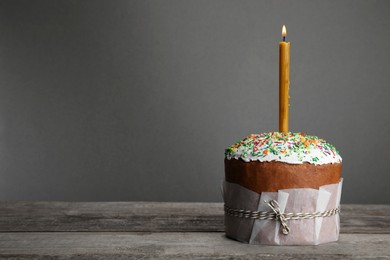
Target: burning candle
284	82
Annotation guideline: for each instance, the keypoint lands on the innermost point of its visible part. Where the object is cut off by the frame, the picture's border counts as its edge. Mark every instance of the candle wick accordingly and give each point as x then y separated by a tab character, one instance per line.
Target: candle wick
284	38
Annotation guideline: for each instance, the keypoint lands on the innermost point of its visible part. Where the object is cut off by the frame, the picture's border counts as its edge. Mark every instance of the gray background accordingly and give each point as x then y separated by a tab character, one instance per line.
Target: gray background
137	100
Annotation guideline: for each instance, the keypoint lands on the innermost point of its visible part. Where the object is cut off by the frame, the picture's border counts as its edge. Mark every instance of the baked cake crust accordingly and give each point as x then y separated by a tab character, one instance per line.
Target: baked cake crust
273	176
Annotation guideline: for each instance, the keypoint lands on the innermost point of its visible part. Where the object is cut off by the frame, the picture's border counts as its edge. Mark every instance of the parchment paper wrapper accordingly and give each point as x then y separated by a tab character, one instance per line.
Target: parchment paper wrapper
267	232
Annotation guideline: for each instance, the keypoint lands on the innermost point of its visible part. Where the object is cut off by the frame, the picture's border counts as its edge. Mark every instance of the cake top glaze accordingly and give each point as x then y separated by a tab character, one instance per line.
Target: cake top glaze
294	148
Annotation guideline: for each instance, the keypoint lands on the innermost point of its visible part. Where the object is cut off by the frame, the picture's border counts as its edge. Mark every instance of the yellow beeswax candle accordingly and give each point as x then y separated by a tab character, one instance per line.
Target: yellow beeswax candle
284	82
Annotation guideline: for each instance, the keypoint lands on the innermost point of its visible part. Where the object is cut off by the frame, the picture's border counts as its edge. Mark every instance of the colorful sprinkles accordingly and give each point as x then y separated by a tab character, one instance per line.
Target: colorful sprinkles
286	147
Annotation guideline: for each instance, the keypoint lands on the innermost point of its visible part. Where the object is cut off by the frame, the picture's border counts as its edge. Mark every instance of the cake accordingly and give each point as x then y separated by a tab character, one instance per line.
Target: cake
272	162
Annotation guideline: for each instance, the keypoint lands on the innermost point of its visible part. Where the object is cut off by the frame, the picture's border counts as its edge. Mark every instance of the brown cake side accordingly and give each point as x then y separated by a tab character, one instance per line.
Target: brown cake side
273	176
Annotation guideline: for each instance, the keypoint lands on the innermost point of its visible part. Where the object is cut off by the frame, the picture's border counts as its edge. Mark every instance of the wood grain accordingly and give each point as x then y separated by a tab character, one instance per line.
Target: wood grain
155	217
173	245
110	216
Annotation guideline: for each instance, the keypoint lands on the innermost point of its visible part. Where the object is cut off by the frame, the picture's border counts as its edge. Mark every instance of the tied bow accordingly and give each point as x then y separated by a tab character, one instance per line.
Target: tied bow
273	204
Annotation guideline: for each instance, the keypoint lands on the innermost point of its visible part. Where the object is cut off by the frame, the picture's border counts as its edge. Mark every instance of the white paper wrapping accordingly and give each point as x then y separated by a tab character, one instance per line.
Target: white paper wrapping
267	232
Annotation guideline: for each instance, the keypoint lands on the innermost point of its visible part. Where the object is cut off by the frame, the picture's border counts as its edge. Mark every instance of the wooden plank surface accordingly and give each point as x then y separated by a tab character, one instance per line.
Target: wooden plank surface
110	216
107	230
155	217
170	245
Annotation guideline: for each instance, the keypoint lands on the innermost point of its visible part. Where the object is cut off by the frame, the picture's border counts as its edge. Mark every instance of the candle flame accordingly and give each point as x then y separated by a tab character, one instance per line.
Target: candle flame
284	31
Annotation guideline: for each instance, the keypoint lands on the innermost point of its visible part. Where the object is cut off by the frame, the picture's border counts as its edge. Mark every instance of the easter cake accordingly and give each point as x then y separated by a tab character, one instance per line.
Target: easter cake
282	189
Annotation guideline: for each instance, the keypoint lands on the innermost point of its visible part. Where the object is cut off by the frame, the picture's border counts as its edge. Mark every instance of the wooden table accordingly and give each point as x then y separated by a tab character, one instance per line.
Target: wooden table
108	230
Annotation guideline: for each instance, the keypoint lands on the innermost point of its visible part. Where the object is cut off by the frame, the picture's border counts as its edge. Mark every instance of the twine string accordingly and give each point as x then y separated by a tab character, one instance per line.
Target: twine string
277	215
274	205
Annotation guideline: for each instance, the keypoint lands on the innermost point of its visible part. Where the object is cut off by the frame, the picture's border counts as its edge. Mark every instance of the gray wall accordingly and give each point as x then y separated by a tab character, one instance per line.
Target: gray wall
136	100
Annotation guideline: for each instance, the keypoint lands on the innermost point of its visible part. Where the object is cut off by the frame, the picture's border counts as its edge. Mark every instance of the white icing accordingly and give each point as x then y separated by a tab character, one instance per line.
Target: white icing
289	148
